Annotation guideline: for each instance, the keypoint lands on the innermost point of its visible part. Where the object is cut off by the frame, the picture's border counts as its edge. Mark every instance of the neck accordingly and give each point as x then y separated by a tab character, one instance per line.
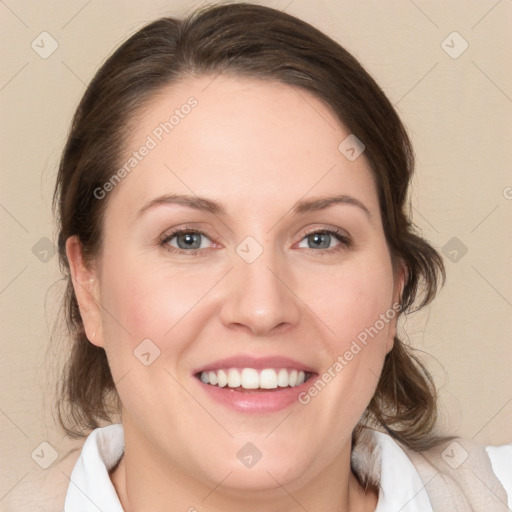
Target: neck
144	480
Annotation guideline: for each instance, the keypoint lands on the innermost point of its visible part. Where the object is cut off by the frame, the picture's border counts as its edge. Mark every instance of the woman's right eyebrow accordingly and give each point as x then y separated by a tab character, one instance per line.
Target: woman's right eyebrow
208	205
196	202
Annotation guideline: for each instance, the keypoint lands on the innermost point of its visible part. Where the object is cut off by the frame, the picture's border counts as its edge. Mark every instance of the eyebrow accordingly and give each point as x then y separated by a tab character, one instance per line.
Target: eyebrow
196	202
300	207
313	205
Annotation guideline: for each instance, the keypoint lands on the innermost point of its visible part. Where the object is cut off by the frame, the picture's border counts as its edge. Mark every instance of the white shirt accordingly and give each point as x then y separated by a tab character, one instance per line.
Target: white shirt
91	489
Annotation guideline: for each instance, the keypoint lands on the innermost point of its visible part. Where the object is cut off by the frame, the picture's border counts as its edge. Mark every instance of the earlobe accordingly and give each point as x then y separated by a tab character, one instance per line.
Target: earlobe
85	285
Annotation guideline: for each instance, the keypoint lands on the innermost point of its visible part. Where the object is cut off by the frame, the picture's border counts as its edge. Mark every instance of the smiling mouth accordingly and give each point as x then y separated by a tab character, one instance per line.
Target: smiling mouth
250	379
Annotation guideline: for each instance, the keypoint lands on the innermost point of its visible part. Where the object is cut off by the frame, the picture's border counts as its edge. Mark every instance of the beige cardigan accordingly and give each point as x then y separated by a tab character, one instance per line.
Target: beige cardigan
472	486
457	474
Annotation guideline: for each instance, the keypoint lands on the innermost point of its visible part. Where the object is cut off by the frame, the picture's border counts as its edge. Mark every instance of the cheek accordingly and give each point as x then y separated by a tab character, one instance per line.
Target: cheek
354	306
351	299
148	302
144	300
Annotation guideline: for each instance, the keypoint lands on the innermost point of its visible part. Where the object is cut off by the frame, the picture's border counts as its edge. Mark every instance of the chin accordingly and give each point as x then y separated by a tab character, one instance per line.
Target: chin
259	469
269	478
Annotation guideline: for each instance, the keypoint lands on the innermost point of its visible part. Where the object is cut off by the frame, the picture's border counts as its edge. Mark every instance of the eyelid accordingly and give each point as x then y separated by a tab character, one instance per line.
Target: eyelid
344	239
187	228
325	229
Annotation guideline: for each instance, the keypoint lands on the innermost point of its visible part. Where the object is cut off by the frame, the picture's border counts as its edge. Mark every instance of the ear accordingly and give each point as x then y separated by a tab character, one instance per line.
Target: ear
400	278
85	284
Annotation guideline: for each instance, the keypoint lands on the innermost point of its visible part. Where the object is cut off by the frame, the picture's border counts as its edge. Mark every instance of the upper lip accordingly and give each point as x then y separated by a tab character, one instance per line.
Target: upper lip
258	363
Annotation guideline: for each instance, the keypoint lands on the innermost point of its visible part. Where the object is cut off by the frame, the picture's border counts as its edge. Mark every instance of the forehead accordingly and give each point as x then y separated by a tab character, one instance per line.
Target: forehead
242	142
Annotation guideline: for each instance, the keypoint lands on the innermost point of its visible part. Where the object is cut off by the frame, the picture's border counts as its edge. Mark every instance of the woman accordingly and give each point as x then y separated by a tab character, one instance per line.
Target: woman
233	223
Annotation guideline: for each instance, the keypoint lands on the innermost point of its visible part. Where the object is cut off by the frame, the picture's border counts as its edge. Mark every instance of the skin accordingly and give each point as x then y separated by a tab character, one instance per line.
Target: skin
257	148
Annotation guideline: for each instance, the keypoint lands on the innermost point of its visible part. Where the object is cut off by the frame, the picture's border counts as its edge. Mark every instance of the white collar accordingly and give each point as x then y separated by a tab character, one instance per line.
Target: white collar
91	489
400	486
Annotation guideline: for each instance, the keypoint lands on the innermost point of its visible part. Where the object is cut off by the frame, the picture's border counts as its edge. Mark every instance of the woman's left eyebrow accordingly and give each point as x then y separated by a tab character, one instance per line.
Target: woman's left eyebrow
321	203
208	205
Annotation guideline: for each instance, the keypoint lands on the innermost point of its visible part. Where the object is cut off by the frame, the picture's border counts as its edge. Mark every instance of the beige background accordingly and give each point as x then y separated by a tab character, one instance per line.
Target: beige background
458	112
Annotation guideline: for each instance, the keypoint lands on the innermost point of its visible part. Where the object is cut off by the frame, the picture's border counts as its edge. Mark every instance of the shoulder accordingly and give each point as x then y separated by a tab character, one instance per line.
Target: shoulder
467	472
455	474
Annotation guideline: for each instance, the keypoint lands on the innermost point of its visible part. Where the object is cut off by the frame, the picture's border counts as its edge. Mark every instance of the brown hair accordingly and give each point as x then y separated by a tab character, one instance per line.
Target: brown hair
262	43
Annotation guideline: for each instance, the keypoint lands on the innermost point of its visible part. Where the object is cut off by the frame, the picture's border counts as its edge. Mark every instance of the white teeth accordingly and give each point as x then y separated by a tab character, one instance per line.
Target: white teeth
233	378
222	378
268	379
249	378
282	378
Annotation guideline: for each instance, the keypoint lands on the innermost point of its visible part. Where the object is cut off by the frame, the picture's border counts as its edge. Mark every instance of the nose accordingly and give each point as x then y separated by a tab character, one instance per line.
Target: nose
259	297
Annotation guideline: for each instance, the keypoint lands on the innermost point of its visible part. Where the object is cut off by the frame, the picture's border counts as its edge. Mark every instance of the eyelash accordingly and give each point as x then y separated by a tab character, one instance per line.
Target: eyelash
345	241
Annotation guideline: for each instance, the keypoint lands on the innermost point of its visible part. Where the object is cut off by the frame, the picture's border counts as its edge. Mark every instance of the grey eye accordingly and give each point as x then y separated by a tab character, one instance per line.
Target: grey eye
320	240
187	240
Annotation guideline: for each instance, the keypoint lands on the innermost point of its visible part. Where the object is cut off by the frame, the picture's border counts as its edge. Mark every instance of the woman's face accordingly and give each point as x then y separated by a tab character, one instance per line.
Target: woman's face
284	280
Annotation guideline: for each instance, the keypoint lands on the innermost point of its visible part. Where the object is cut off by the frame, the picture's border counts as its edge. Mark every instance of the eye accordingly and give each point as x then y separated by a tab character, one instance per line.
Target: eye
185	240
193	241
322	239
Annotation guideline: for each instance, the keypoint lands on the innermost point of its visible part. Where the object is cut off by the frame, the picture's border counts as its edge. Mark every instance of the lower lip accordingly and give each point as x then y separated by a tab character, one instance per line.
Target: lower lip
255	401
